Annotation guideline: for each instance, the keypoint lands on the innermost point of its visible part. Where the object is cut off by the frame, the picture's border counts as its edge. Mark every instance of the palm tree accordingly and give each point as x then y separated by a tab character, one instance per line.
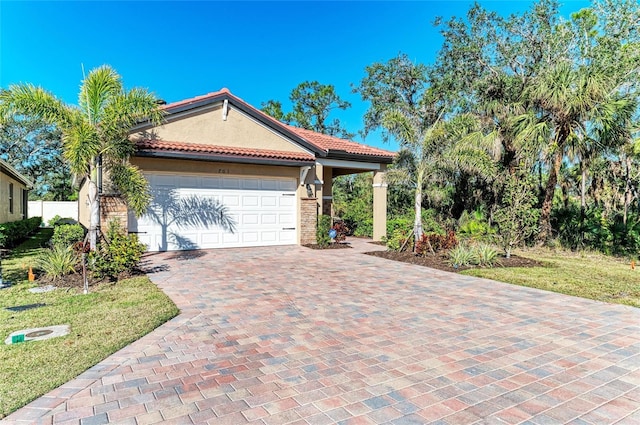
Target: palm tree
95	134
432	150
571	104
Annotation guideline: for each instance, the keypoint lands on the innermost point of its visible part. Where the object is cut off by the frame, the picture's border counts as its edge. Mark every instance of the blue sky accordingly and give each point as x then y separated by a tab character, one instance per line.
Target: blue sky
259	50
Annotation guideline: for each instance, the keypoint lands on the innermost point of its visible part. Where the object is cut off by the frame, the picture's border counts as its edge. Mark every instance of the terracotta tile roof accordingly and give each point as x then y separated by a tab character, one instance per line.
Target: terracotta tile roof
196	99
164	146
330	143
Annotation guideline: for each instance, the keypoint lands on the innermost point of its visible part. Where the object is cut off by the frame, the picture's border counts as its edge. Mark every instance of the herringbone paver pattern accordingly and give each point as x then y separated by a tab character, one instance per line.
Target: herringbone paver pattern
291	335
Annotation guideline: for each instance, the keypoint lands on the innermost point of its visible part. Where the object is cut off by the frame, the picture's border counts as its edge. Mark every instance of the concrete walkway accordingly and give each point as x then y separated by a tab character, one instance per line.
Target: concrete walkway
292	335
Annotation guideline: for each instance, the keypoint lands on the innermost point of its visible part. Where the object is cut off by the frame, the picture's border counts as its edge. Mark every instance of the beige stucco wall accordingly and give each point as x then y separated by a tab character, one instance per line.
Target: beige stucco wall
18	203
208	127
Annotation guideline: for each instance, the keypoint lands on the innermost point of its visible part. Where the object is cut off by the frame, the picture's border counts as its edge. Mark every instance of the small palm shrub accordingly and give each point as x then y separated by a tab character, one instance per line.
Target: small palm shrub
461	256
67	235
57	262
485	255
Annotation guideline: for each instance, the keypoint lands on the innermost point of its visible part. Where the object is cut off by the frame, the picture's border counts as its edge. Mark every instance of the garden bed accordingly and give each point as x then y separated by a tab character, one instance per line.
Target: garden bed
441	261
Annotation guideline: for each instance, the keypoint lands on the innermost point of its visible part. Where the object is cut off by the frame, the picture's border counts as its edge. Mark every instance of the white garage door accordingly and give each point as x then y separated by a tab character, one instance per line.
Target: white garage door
199	212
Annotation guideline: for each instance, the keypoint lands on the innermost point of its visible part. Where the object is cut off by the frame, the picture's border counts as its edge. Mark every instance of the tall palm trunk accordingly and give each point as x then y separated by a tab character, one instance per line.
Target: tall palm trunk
549	192
627	189
417	223
94	206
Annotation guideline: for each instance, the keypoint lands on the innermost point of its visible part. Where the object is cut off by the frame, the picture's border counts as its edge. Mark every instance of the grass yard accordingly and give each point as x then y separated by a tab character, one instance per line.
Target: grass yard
107	319
583	274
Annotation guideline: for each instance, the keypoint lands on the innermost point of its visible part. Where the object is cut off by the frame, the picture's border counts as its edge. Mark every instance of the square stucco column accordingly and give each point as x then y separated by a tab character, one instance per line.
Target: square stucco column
379	204
327	191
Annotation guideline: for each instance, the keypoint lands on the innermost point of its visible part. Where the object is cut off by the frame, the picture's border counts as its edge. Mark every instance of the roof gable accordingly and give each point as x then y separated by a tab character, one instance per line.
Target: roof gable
321	145
7	169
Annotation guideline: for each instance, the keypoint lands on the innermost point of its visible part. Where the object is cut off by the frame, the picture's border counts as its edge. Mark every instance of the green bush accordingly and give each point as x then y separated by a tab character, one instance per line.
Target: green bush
397	240
55	221
57	262
322	230
461	256
485	255
14	232
116	254
475	226
67	234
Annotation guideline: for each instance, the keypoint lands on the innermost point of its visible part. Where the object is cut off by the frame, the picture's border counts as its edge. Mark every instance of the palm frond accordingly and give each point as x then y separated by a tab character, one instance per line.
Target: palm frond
132	185
29	100
102	84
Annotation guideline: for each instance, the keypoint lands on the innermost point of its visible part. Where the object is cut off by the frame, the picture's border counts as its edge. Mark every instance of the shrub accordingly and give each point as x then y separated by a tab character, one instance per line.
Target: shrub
116	254
461	256
398	241
55	221
341	231
433	242
67	235
475	226
14	232
485	255
322	230
57	262
516	216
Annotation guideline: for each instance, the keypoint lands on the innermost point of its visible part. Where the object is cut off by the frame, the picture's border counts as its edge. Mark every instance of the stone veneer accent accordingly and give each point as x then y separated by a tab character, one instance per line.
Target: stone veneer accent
308	220
112	207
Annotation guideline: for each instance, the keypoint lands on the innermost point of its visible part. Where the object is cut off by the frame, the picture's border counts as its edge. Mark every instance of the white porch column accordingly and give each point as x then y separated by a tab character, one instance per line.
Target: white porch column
379	203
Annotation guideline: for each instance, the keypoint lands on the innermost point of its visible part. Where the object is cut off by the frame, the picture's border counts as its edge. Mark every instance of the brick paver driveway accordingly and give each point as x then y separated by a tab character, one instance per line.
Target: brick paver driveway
290	335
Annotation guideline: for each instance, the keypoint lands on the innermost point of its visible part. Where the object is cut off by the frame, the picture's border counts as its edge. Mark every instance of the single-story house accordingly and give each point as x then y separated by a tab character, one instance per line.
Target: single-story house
14	191
225	174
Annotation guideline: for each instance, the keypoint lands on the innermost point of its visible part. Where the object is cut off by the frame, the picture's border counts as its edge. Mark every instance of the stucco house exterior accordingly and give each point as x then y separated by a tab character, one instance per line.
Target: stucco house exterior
272	179
14	191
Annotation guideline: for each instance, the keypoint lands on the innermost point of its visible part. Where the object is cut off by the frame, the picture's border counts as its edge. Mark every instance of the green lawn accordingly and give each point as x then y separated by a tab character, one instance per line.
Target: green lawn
107	319
585	274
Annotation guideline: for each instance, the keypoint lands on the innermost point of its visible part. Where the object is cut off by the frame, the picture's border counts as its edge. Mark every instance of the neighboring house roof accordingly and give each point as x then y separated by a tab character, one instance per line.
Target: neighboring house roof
322	145
7	169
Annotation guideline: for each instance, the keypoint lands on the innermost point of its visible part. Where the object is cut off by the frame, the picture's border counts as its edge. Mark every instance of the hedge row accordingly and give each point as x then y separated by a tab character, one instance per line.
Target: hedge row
14	232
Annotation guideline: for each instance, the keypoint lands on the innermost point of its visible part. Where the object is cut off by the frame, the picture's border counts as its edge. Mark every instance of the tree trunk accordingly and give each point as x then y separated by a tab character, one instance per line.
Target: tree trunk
627	190
549	192
583	185
417	225
94	206
94	214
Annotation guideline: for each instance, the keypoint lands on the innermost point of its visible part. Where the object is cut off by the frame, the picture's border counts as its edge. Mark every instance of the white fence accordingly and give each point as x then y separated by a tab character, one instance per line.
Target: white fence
49	209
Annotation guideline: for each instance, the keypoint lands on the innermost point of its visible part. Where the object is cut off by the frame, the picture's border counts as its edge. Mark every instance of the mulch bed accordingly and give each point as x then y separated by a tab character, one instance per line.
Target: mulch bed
441	261
337	245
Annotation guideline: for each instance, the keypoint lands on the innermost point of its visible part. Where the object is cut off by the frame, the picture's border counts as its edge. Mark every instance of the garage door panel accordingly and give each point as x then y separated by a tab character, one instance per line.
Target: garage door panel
287	201
268	201
210	182
251	184
250	201
231	183
250	219
210	239
250	237
268	219
259	209
286	219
